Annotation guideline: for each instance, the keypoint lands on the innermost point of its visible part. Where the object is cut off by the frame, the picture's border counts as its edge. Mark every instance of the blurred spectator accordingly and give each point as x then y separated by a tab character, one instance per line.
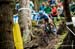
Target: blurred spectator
59	3
52	2
17	6
48	9
72	6
54	11
31	5
60	10
42	7
34	15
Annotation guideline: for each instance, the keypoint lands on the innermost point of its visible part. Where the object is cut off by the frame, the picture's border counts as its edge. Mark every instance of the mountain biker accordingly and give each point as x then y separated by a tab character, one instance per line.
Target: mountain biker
46	21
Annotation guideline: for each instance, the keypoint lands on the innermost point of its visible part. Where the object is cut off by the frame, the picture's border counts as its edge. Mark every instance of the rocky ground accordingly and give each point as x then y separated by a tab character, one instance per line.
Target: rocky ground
42	40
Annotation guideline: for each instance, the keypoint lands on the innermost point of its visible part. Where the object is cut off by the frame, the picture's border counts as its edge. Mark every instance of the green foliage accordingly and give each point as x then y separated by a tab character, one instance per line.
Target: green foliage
61	38
34	23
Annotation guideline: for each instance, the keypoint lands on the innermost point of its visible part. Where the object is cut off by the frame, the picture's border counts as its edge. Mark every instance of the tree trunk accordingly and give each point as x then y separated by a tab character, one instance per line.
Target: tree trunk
36	4
25	20
6	25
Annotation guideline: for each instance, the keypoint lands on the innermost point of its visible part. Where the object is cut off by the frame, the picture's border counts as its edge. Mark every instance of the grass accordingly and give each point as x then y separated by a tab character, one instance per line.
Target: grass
61	38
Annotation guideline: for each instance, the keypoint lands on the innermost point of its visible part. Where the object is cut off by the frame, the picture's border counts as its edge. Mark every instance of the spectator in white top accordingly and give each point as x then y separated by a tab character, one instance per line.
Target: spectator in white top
31	5
60	10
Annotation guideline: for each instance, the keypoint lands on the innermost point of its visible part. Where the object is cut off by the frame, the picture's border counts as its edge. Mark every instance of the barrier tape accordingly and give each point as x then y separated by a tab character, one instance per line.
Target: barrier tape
23	9
69	23
70	30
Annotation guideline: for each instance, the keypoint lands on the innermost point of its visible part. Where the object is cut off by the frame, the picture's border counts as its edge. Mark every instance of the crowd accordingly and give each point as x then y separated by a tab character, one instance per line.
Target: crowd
49	13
